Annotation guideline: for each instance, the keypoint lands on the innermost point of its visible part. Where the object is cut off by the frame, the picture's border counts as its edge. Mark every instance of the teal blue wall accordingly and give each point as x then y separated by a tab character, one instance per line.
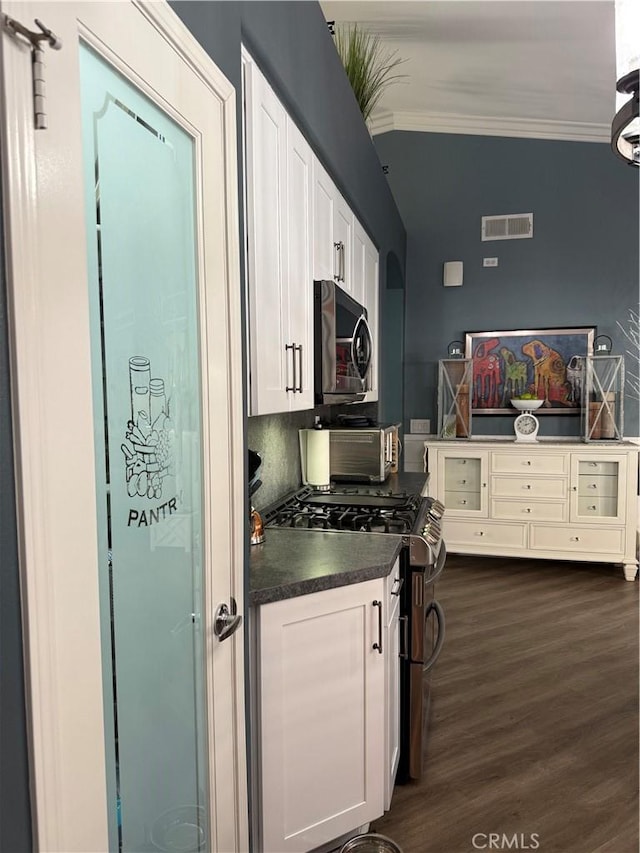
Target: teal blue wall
580	268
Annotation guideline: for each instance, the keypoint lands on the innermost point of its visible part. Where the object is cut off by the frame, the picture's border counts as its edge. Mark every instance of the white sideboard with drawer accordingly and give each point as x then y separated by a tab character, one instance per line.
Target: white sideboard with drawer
552	500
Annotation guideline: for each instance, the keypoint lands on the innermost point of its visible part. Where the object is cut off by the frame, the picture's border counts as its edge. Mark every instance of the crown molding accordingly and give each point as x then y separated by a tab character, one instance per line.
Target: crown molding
425	122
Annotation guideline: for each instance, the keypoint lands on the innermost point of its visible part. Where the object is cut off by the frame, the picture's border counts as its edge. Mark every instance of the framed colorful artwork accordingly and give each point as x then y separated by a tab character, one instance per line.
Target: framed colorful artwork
544	362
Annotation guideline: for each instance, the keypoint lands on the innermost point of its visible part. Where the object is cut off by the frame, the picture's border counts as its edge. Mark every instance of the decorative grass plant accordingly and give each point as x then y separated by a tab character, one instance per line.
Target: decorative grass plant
369	66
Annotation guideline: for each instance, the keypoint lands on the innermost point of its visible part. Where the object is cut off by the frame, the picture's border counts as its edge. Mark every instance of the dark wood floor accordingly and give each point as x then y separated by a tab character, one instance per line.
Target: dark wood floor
534	717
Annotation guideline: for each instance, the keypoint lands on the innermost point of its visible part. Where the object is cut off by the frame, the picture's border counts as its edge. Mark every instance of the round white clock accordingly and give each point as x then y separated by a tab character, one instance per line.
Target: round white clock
526	427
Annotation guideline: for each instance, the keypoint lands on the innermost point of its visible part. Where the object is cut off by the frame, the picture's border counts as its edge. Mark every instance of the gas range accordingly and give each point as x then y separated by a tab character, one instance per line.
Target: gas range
346	509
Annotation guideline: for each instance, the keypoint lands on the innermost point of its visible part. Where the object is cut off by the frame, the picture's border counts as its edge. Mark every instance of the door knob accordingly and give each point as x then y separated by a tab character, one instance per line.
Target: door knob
225	621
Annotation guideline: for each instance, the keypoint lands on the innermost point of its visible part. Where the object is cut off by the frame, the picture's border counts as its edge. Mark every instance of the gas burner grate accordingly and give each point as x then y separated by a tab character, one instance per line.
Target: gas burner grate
347	511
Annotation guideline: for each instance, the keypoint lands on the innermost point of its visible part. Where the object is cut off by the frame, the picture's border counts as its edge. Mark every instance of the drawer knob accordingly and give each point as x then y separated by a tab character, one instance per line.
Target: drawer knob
528	486
592	486
593	506
481	533
528	462
463	502
462	482
528	509
575	538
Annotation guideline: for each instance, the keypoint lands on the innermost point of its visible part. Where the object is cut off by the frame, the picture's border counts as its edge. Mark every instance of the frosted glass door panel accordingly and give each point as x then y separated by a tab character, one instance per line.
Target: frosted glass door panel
141	233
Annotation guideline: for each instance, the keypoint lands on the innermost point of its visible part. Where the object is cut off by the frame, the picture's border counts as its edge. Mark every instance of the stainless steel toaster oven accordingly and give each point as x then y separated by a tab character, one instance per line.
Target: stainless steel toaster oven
363	455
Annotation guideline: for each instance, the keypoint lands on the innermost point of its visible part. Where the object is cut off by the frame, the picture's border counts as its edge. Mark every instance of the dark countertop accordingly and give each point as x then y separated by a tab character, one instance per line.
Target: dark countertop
294	562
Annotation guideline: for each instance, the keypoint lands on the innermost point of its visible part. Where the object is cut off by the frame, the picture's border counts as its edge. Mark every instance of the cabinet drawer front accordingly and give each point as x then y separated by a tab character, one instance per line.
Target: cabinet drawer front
527	487
598	507
601	541
461	475
597	485
597	466
484	534
468	501
529	510
534	463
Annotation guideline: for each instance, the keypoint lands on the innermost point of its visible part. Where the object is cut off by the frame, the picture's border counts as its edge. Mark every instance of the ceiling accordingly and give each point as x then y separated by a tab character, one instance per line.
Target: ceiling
535	68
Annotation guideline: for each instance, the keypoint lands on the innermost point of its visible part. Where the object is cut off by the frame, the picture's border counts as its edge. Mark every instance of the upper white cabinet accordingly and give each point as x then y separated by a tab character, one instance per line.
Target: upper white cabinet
333	228
299	228
278	218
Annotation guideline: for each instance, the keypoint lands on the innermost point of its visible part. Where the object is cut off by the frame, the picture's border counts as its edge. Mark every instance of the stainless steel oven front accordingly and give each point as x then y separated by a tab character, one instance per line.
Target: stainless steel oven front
423	642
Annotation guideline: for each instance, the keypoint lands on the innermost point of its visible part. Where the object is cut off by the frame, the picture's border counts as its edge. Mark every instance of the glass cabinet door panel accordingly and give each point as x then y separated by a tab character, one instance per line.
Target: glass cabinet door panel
140	169
598	488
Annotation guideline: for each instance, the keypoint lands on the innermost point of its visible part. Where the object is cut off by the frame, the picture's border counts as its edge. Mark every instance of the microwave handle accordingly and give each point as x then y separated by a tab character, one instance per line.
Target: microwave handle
363	320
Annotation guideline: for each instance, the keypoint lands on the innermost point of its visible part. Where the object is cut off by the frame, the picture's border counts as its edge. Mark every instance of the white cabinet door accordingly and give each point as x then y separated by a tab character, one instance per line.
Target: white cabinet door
392	683
343	243
360	240
322	716
325	263
266	158
462	482
279	190
299	275
598	488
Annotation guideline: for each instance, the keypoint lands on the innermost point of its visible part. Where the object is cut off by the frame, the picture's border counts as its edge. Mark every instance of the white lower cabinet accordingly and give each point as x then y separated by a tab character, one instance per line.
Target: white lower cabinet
553	500
392	683
326	728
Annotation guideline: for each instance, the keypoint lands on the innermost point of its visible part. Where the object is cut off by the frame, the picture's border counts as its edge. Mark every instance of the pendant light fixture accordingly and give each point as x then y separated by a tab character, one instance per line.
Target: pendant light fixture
625	128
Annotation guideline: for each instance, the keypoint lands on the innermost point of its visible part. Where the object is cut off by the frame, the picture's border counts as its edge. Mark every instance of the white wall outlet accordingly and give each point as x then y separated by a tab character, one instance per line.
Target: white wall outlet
489	262
420	425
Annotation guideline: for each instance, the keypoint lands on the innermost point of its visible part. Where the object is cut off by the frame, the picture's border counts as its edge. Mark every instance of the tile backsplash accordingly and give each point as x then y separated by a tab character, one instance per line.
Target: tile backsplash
275	438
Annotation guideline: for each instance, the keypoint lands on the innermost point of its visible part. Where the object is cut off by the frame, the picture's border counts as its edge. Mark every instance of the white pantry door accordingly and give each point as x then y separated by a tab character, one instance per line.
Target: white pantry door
122	262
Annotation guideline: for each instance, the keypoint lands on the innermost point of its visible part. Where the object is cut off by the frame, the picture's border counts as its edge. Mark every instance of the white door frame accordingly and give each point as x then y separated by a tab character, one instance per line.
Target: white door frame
57	520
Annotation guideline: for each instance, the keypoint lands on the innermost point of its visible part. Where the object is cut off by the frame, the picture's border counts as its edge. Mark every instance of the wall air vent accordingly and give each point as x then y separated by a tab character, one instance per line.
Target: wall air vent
511	226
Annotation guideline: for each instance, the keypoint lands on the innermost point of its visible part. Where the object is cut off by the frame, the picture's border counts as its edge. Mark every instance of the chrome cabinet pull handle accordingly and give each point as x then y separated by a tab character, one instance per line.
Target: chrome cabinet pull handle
292	347
378	645
299	348
338	246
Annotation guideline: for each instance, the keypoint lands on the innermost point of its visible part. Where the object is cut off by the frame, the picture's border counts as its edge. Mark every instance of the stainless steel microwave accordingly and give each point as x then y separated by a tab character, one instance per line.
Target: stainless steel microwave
342	345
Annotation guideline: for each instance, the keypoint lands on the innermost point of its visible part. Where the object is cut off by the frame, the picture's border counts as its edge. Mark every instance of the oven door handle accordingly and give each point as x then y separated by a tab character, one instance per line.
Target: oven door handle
440	561
434	607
